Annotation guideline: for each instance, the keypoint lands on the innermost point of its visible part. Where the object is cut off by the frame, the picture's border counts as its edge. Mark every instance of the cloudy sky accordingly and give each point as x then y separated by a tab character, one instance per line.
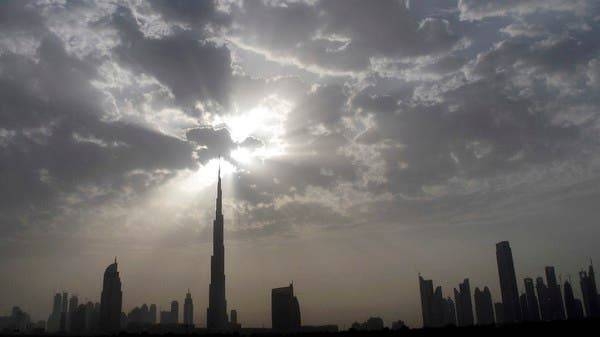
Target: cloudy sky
362	142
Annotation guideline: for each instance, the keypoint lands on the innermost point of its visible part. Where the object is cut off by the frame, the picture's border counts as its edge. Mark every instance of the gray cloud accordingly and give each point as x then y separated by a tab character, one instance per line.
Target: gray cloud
195	70
340	35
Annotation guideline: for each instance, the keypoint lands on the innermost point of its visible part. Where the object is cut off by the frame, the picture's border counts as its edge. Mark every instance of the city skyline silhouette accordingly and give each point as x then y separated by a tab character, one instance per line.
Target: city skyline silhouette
336	150
466	309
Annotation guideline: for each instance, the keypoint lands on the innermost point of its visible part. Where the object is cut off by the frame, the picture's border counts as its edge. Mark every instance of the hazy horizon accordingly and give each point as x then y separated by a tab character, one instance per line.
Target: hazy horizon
361	143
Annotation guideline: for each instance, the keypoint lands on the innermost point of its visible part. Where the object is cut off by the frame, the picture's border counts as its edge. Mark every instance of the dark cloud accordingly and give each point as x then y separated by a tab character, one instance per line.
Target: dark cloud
217	142
195	70
59	141
195	13
20	16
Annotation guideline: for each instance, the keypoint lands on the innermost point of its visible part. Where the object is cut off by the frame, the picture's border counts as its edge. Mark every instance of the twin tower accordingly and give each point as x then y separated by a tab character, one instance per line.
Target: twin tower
216	313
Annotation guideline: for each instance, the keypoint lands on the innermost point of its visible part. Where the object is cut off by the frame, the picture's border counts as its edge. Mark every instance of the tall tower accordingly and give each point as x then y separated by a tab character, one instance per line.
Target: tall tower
216	314
508	283
111	300
589	291
188	310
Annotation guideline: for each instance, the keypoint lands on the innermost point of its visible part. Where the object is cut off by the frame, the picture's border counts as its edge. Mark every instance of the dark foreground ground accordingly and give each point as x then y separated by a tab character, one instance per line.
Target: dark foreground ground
561	328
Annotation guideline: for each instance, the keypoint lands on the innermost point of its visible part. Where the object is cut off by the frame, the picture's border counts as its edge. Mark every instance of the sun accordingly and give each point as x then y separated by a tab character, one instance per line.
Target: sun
265	123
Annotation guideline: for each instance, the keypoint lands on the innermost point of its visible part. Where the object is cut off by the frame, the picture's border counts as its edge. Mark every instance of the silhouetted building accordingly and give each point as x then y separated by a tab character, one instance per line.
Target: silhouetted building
426	290
123	321
233	321
543	299
464	306
216	314
372	324
523	304
508	283
73	306
170	317
53	323
188	310
285	309
555	300
449	312
152	314
18	321
175	311
438	306
77	319
573	306
432	304
92	317
64	312
484	307
499	311
166	317
140	318
533	311
399	325
111	300
589	291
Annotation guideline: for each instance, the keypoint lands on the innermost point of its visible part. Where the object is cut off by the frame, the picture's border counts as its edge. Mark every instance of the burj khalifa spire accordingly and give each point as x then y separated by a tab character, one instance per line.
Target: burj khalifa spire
216	314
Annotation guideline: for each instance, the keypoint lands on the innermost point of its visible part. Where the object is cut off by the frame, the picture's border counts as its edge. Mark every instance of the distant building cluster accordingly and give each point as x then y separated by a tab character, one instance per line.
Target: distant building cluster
542	300
19	321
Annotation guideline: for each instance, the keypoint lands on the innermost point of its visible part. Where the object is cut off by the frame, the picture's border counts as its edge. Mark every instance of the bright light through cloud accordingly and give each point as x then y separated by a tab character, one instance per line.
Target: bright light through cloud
264	122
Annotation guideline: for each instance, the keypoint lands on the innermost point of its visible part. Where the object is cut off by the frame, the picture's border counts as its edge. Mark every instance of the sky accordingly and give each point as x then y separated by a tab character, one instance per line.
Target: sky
361	143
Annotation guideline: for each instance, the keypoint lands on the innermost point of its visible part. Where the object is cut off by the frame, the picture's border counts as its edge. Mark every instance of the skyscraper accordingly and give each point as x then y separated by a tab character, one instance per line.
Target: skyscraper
573	306
170	317
533	310
431	304
53	323
64	312
555	300
175	312
77	317
590	292
449	312
92	314
285	309
188	310
426	289
111	300
216	314
73	306
508	283
484	307
499	311
543	299
152	314
235	326
464	305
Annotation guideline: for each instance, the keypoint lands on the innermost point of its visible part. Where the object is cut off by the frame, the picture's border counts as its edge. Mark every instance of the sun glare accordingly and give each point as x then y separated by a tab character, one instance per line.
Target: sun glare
265	123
